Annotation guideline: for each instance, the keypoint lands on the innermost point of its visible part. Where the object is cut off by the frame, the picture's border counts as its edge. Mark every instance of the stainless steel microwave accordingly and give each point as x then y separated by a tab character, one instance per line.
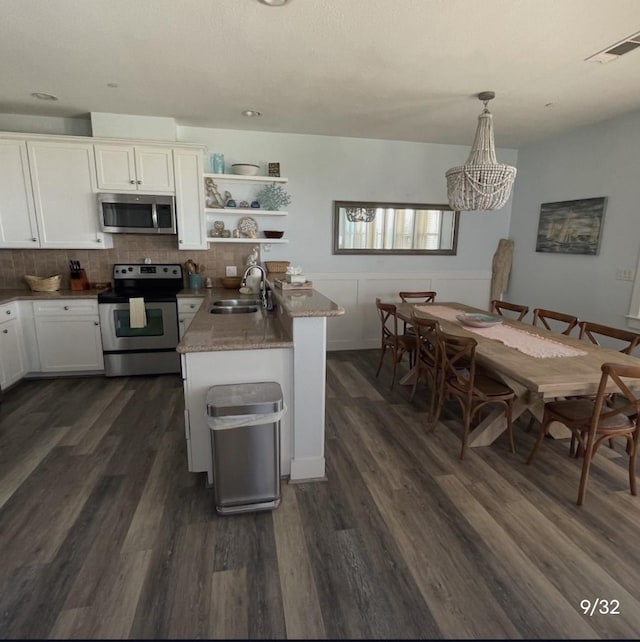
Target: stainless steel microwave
137	213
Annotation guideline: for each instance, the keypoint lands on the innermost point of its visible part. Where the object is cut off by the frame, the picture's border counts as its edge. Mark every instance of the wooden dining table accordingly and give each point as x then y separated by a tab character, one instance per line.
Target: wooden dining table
533	379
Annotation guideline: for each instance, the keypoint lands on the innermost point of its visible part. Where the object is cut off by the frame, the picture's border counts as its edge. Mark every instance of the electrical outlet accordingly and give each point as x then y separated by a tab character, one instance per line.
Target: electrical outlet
231	270
623	274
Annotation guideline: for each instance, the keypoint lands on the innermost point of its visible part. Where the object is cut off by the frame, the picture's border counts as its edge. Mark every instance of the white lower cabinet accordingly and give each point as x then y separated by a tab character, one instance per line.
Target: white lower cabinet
12	359
187	308
68	335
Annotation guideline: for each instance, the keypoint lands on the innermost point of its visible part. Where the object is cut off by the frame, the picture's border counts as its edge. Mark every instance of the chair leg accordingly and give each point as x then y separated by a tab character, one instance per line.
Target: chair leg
632	468
539	440
415	386
510	429
586	465
383	350
395	366
436	417
465	434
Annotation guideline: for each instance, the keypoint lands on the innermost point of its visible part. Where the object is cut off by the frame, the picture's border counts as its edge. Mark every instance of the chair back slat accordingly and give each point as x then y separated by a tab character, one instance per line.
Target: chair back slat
543	316
500	306
592	331
428	296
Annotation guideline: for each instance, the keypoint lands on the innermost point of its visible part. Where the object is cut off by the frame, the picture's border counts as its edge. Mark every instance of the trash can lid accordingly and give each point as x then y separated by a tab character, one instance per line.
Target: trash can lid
244	399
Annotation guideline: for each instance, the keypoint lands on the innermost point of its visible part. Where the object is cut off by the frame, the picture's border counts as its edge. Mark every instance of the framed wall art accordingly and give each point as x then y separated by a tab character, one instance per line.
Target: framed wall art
571	227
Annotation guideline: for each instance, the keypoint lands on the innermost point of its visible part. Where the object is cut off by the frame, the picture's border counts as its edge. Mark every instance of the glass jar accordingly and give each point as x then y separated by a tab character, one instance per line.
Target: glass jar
218	163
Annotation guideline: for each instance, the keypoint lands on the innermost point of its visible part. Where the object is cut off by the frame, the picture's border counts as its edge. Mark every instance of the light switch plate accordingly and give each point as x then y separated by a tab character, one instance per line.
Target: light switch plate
231	270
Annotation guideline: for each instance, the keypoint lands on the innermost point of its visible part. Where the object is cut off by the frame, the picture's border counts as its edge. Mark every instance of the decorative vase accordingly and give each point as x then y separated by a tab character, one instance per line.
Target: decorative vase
218	163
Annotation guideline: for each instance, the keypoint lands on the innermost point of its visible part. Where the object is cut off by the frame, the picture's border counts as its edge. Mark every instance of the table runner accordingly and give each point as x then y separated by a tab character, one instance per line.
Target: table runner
526	342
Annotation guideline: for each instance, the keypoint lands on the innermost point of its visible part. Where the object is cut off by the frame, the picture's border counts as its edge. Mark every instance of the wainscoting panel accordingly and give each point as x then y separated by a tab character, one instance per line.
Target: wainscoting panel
359	328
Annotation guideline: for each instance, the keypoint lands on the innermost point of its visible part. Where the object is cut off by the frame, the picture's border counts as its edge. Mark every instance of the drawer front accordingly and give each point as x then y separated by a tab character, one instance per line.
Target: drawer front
189	305
69	307
8	312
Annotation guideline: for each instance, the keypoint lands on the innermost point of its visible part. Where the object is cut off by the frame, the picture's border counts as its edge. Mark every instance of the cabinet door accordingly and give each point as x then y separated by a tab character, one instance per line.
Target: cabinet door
192	228
116	168
154	169
184	321
63	175
17	214
12	363
68	344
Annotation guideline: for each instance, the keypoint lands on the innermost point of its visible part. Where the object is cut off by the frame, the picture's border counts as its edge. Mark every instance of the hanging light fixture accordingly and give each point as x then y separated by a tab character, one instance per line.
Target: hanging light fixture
481	183
360	214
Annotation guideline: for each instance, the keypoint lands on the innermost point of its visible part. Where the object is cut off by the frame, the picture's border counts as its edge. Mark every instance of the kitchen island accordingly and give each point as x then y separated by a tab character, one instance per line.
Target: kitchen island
287	345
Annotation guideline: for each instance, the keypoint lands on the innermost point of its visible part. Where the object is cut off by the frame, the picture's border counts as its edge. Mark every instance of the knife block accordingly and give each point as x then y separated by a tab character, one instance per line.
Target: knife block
78	280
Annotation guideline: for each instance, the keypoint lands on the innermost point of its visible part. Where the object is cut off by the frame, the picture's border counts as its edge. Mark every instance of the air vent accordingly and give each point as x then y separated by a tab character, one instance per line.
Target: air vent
614	52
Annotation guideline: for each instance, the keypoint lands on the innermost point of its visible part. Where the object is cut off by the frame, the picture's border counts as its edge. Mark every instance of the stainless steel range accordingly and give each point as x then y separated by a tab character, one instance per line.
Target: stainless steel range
146	345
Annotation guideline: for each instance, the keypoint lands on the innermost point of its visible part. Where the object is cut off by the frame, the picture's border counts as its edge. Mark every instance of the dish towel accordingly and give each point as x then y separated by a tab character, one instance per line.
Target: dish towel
137	313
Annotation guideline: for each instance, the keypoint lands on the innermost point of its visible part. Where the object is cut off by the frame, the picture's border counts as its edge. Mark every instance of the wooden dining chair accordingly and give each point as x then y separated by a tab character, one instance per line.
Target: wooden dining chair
592	331
473	388
399	344
426	296
592	421
499	307
543	316
426	361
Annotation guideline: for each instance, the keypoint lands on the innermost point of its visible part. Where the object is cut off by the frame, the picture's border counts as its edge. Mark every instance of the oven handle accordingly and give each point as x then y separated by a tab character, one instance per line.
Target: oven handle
154	215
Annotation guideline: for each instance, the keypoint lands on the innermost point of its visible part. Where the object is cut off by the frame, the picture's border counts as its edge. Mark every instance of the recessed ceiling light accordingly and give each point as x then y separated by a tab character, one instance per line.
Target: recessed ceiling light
42	96
274	3
251	113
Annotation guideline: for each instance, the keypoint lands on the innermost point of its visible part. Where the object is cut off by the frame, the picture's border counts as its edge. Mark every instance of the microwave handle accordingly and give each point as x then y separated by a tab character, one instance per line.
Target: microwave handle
154	215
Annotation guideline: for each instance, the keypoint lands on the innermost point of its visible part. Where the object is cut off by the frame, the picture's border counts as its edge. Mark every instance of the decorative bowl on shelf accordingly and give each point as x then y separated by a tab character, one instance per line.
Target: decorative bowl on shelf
273	234
245	169
478	320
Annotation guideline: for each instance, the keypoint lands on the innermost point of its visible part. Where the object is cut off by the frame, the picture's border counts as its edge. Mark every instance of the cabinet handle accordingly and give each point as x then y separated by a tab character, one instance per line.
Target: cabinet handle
192	306
181	321
180	242
35	240
139	182
98	240
8	312
132	182
66	307
5	331
96	323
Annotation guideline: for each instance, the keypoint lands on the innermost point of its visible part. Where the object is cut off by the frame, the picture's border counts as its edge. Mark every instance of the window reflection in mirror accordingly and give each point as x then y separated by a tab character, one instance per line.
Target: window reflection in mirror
394	228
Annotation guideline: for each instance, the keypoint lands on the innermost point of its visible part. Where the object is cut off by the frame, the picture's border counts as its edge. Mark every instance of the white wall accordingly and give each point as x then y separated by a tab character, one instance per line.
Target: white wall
322	169
600	160
45	125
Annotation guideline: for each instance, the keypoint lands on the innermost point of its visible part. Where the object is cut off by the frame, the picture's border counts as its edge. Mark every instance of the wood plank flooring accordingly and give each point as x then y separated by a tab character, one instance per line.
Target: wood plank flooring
104	533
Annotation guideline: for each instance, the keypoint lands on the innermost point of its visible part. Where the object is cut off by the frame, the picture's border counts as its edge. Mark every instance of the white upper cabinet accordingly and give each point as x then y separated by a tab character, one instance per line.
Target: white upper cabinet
132	168
17	214
63	176
192	229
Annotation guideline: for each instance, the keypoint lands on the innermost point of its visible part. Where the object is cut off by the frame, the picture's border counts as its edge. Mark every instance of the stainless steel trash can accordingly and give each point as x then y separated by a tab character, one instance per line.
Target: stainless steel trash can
244	419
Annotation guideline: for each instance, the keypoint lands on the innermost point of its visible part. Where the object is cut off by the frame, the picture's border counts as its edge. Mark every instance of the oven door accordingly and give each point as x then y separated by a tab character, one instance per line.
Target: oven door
161	331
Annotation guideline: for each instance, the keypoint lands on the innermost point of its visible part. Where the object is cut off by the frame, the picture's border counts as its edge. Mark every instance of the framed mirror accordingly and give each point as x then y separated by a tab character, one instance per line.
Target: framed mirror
363	227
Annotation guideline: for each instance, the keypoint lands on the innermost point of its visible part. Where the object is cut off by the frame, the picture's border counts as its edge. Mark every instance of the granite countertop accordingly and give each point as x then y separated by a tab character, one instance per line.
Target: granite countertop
304	303
6	296
216	332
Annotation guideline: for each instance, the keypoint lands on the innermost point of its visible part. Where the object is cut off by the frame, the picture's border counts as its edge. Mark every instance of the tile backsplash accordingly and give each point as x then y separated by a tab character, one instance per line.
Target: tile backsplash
128	248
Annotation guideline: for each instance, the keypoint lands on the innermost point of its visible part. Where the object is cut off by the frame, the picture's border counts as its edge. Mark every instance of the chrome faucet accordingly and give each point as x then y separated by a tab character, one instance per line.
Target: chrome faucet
263	282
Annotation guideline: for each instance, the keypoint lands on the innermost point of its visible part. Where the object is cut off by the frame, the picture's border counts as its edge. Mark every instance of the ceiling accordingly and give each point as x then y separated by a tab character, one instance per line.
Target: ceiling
391	69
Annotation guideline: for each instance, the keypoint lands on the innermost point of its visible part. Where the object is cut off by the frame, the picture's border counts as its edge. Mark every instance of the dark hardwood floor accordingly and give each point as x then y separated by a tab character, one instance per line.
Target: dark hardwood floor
104	533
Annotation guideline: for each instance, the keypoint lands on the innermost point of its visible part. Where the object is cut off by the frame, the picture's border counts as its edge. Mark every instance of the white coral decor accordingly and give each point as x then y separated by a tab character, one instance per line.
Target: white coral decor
273	197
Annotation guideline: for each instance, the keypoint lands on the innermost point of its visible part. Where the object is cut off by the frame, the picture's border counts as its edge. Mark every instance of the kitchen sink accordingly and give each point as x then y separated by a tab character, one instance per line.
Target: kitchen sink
233	309
236	302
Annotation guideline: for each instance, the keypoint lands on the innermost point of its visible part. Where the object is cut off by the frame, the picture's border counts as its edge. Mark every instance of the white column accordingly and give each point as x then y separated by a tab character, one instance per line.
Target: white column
309	369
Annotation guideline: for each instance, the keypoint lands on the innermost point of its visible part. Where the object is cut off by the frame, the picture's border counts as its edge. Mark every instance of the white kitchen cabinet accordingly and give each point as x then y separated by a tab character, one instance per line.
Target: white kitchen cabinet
12	358
17	214
68	335
191	222
242	188
63	177
129	168
187	308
